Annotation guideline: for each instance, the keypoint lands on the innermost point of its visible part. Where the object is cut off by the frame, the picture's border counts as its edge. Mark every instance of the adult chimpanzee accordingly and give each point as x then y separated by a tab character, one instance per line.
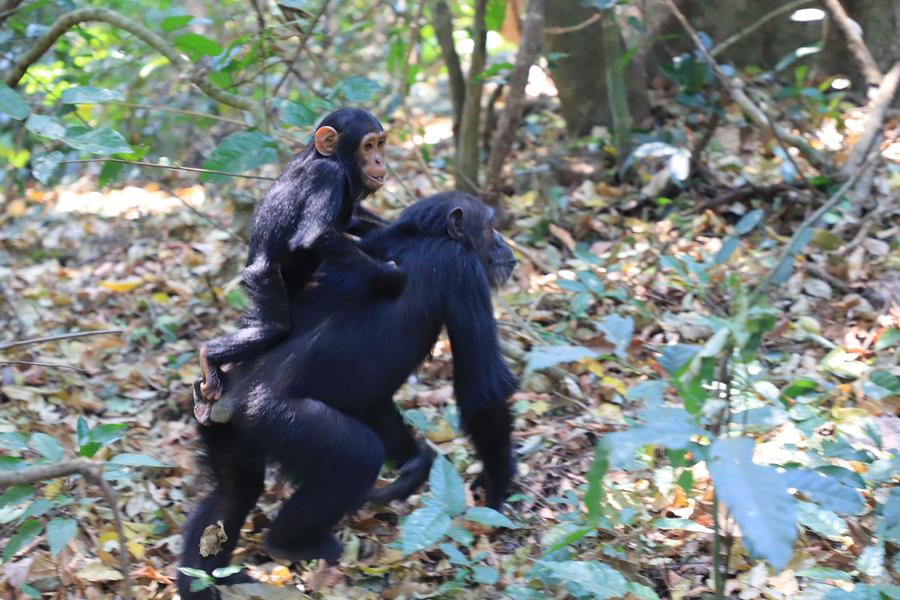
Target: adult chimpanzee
299	222
320	404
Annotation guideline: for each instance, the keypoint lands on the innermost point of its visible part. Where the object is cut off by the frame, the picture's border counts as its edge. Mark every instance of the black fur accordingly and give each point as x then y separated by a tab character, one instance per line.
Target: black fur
321	403
298	223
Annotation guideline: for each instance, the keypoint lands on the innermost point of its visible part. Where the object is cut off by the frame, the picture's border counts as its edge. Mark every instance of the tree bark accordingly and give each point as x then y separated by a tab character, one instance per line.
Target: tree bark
529	44
467	147
443	30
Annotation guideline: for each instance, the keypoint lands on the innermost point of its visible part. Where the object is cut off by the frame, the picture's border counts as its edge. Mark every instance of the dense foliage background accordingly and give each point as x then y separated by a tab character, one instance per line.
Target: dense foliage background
704	202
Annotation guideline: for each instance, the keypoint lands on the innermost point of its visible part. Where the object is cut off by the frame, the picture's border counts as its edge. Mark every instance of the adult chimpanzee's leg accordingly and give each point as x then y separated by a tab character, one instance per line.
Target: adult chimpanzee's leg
238	468
268	322
335	459
413	458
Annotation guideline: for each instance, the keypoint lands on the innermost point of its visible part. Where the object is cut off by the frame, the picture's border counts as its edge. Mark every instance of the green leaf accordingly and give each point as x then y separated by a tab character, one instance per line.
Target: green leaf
671	428
197	46
676	357
587	579
103	141
107	433
237	298
13	441
302	114
135	460
357	90
485	575
619	331
821	521
45	126
15	495
47	447
227	571
682	525
423	528
728	247
541	357
240	152
594	496
749	221
27	532
493	14
489	517
454	555
200	578
447	486
825	491
59	533
13	104
82	431
90	95
649	392
173	23
888	338
757	498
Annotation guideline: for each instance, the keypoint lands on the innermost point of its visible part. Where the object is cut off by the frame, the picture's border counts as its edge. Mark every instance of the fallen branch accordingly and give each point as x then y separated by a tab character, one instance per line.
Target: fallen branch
788	251
93	473
876	111
734	89
855	43
54	338
158	43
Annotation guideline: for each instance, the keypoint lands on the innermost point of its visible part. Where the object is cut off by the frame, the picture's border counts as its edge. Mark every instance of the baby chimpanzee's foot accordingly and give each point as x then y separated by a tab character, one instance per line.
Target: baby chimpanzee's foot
326	547
210	379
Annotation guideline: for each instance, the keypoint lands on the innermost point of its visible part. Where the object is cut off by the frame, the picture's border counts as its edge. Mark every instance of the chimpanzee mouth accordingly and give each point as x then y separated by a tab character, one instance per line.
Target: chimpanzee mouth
378	180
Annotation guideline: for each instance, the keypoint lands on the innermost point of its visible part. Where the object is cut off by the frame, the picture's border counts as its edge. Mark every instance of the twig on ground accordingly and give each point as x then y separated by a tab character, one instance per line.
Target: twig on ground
171	167
93	473
788	250
54	338
41	364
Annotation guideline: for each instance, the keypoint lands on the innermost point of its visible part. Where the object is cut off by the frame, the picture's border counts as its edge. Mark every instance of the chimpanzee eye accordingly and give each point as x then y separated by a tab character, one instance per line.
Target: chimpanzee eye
381	144
369	146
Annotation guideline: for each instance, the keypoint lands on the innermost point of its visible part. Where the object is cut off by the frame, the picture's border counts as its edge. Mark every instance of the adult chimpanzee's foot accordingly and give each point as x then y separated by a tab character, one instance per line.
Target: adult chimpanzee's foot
326	547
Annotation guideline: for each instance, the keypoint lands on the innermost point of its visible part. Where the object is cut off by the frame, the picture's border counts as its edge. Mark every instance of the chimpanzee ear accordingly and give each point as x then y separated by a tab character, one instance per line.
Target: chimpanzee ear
326	140
455	224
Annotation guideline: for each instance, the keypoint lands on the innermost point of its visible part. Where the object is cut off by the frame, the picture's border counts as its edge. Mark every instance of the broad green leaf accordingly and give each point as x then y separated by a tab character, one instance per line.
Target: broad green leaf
13	441
12	104
593	498
447	486
889	527
584	579
749	221
619	331
423	528
672	429
27	532
47	447
650	392
301	114
196	45
107	433
485	575
357	90
454	555
227	571
90	95
489	517
45	126
103	141
888	338
135	460
200	578
15	494
493	14
60	531
823	522
173	23
825	491
728	247
541	357
757	498
240	152
676	357
865	592
682	525
82	431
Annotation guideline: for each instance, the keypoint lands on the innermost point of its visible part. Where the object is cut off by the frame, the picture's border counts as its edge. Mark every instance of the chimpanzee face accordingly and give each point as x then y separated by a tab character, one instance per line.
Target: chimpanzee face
370	156
473	225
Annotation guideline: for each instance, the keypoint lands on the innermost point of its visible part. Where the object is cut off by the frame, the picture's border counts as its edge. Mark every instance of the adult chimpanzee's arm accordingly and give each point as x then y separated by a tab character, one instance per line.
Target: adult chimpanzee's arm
318	232
481	379
364	221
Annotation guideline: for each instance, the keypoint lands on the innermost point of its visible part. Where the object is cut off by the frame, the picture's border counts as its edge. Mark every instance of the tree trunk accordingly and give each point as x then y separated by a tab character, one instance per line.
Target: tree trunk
578	71
467	159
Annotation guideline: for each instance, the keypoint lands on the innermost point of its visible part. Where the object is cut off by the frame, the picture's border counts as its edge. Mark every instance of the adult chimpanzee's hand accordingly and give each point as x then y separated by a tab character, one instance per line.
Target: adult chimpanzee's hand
391	281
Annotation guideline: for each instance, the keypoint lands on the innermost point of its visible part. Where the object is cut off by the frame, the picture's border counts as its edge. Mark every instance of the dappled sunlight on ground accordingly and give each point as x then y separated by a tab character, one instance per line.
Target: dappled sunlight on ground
131	202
